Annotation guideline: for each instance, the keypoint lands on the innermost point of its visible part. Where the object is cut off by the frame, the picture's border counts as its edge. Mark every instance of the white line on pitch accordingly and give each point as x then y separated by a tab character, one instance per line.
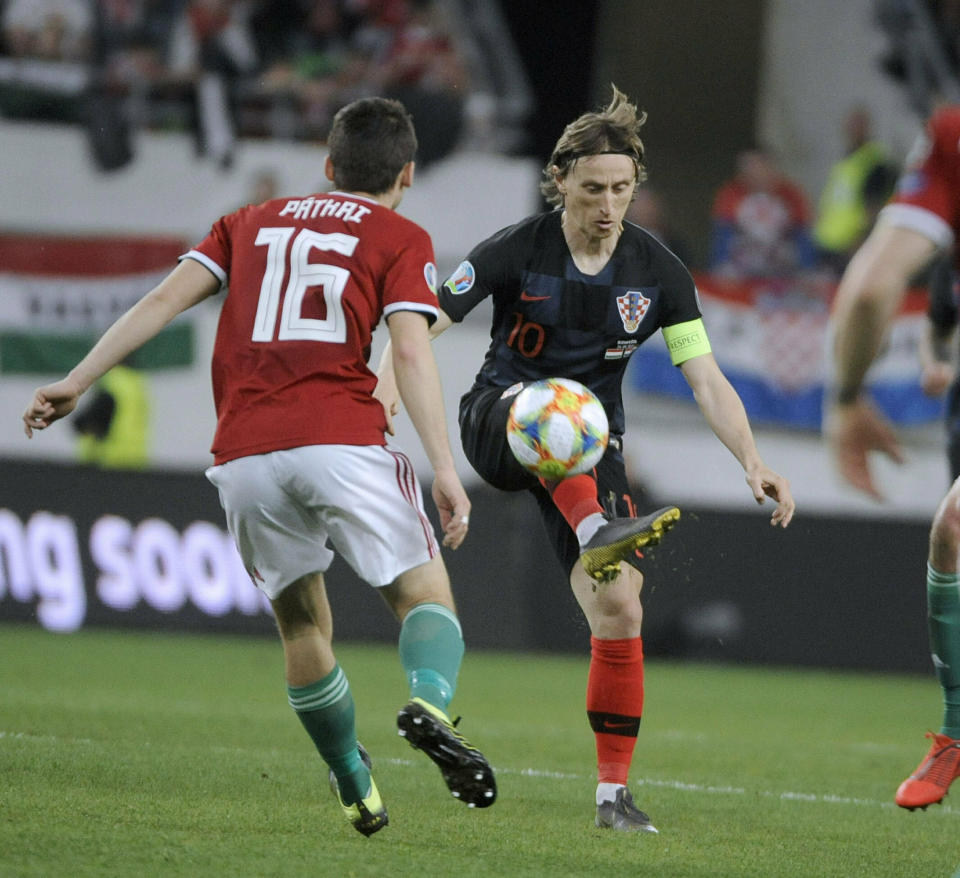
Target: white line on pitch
683	786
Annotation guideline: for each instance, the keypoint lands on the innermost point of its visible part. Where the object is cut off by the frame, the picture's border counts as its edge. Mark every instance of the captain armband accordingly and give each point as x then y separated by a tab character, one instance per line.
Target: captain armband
686	340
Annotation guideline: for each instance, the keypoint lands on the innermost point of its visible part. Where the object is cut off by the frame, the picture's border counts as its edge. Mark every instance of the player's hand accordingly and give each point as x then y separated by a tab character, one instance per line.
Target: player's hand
764	482
389	397
936	378
852	431
49	404
453	506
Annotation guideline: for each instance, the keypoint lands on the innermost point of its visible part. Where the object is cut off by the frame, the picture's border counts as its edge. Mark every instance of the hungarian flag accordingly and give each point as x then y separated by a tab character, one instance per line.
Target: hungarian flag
58	294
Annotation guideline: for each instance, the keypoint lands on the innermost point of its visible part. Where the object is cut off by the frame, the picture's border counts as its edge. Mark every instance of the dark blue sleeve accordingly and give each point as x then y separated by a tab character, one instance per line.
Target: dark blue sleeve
488	270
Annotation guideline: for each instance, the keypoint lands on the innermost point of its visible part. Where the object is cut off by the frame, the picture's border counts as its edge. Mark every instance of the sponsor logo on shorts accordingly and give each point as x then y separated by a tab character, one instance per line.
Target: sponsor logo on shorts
461	281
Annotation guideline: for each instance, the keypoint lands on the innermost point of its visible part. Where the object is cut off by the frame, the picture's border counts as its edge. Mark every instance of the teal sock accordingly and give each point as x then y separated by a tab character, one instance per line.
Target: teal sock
326	710
431	649
943	603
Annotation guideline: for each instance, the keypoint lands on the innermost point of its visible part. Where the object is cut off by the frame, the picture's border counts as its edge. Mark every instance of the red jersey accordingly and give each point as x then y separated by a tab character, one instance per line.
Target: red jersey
308	280
927	197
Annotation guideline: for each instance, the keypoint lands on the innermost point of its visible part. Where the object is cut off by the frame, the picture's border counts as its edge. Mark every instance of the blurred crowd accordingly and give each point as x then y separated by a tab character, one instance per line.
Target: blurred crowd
766	228
225	69
228	68
764	225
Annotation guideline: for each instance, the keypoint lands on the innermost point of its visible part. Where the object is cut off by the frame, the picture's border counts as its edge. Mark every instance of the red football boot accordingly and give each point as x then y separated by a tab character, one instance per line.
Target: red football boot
930	782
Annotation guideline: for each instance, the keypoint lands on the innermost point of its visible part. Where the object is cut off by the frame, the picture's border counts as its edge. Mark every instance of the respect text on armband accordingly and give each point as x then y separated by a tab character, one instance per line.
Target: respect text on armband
682	342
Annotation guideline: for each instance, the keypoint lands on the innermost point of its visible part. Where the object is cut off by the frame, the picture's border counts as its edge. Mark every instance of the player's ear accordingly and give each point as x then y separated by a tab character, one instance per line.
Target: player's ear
328	169
559	179
406	175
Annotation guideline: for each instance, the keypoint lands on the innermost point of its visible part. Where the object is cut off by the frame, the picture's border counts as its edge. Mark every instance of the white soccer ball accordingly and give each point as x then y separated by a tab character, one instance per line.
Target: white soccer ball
557	428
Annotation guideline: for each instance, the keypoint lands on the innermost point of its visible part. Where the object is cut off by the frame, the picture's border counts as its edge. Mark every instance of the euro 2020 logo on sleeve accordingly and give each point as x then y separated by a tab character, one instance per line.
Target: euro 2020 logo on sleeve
461	281
430	276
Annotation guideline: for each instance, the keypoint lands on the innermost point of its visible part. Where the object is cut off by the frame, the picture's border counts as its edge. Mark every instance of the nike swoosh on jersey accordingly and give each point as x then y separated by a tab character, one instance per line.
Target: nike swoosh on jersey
526	297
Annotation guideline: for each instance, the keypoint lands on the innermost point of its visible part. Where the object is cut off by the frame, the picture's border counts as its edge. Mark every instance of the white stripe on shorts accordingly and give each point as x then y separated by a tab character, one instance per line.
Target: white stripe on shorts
407	480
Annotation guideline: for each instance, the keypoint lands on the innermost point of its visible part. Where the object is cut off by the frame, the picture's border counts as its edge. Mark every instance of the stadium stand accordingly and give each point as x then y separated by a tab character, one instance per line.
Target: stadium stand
223	69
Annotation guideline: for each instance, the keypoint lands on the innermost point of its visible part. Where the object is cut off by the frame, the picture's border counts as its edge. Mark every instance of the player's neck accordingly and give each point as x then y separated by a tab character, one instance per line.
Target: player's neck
590	253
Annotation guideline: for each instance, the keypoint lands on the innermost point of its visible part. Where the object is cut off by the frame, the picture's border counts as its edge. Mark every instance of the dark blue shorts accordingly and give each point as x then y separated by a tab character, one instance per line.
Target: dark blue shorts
483	433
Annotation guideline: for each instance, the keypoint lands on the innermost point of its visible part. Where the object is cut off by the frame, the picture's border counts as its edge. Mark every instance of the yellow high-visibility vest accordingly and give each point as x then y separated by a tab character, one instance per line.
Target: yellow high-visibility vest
843	217
126	444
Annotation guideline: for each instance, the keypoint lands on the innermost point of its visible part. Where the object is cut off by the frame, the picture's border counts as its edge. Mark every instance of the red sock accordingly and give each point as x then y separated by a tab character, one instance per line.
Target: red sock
615	703
575	497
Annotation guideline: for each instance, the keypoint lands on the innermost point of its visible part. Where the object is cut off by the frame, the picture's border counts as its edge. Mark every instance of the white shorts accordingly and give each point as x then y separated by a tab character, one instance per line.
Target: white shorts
283	506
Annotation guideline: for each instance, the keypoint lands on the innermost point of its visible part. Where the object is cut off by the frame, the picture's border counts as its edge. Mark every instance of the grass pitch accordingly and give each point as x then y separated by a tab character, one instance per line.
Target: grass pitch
128	754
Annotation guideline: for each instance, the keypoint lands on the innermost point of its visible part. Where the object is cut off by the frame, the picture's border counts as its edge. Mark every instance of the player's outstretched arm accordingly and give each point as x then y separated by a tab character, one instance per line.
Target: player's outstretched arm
869	294
724	412
186	285
418	382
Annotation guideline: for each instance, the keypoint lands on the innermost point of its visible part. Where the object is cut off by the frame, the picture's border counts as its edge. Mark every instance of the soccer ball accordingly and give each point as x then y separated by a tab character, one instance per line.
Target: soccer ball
557	428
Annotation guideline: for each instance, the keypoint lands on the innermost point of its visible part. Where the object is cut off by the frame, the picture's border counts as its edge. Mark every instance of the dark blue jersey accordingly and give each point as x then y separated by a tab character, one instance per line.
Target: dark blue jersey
552	320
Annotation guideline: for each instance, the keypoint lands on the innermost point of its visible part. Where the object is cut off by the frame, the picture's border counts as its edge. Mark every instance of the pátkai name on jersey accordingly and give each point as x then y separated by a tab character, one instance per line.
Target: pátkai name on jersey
311	208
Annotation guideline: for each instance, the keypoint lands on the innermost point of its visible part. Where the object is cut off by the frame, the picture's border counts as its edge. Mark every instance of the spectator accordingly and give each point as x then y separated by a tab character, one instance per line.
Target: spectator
272	26
130	40
229	67
56	30
50	42
761	222
212	35
422	53
331	53
424	70
210	47
317	68
857	187
112	428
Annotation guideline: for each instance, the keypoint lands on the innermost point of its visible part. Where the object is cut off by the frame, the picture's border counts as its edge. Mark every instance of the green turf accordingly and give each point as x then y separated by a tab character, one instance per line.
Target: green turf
146	755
